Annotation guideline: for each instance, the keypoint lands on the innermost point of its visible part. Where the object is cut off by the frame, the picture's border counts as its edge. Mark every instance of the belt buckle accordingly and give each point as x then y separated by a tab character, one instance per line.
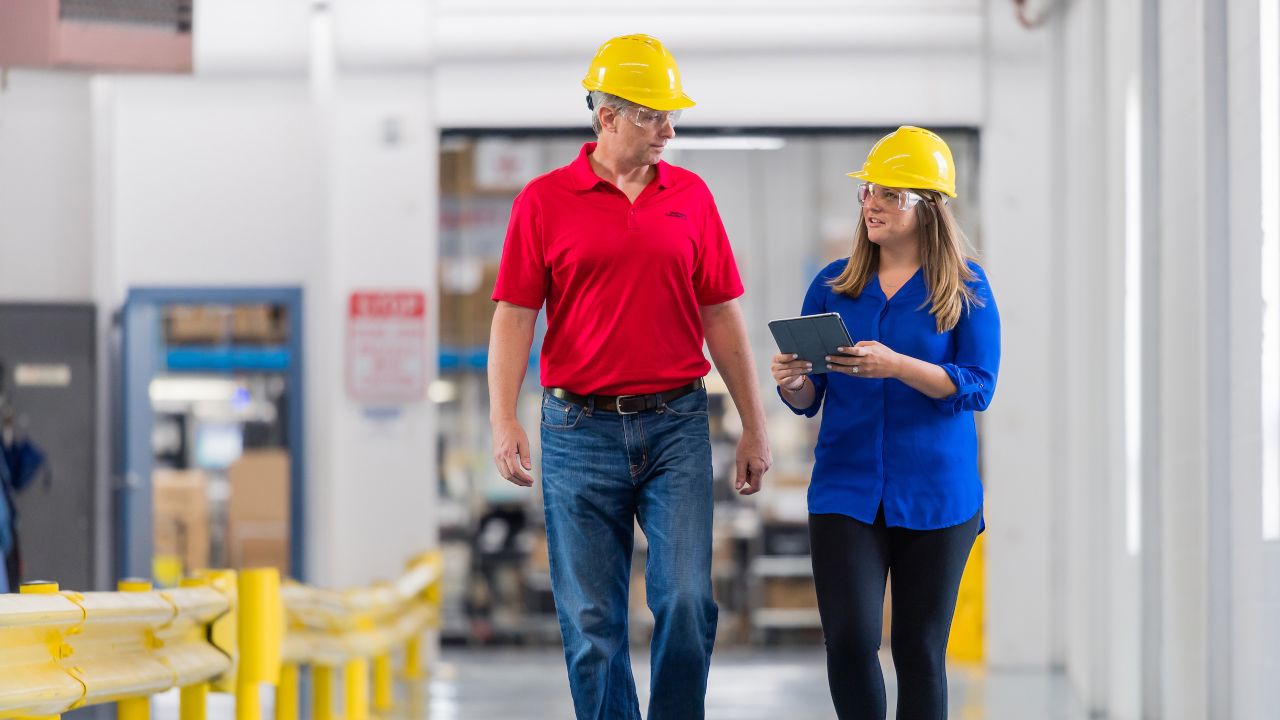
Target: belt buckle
619	401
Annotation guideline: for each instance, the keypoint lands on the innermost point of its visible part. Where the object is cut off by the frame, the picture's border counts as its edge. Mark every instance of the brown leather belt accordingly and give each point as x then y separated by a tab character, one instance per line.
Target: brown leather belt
627	404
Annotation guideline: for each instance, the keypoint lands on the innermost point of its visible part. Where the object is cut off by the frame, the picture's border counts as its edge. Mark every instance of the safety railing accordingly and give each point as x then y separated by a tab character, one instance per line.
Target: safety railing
220	631
356	631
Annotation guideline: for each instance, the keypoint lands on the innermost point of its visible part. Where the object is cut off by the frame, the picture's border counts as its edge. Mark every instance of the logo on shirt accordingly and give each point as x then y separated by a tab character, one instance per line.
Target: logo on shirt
675	214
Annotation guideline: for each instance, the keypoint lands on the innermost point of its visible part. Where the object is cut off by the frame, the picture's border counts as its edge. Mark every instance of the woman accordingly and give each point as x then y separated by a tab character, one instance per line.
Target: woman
895	485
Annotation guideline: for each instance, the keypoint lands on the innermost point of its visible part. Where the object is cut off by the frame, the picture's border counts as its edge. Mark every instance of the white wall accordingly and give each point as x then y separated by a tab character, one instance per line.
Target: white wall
1019	446
255	174
45	228
503	64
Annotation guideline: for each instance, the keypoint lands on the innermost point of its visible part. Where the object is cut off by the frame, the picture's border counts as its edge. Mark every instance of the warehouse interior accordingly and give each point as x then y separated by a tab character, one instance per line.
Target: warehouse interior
210	233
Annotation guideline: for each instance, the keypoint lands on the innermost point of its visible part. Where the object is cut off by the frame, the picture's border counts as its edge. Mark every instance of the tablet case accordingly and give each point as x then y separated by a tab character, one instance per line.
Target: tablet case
812	337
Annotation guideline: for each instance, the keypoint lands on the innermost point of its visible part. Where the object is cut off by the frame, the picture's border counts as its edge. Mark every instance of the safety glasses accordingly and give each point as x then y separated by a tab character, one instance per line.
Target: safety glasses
887	197
652	119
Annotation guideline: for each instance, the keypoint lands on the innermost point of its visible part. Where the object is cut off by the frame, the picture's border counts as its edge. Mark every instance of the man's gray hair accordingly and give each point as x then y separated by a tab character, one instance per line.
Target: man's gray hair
599	99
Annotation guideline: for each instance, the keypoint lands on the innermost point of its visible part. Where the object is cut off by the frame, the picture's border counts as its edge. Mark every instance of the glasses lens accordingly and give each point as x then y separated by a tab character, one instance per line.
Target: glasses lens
864	192
887	198
654	119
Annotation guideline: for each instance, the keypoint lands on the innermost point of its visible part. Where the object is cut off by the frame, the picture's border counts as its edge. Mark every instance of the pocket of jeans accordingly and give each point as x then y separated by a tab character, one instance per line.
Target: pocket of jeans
560	415
692	405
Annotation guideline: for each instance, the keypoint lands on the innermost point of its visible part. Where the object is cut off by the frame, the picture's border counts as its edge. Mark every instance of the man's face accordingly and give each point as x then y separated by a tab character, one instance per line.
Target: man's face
642	134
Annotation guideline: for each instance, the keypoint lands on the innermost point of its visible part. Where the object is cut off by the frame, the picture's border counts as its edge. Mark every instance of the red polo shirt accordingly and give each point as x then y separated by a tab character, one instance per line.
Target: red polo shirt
622	282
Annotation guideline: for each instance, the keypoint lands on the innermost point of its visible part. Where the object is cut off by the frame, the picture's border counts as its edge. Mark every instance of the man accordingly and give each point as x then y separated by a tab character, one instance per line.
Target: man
631	258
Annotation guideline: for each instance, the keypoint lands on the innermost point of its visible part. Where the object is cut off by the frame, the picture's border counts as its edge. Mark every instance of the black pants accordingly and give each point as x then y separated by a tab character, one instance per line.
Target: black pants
850	563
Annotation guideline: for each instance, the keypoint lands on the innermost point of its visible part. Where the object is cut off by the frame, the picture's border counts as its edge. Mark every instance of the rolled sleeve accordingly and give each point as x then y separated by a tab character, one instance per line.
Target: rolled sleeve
977	354
819	392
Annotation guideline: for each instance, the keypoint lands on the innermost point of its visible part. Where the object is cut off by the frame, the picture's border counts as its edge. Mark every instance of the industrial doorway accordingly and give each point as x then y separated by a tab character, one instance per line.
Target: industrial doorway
212	443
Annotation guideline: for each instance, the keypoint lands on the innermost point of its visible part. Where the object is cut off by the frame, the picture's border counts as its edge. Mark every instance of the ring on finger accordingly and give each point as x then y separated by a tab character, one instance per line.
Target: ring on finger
853	369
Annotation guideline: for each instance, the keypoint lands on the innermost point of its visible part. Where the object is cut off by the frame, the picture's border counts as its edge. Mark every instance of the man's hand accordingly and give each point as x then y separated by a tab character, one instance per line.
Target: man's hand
754	460
511	452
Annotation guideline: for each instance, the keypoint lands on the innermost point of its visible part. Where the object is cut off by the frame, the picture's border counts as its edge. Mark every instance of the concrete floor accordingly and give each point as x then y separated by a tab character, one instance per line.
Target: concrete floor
744	685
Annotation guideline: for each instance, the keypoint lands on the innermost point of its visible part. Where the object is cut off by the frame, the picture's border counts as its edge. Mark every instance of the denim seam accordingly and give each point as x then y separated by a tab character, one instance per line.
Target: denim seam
629	435
644	448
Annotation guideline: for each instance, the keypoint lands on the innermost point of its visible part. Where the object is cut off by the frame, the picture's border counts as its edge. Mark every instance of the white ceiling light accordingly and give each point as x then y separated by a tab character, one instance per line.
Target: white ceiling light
728	142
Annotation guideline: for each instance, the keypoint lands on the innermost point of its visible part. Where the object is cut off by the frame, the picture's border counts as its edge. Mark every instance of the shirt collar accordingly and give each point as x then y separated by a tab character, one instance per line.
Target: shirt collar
584	178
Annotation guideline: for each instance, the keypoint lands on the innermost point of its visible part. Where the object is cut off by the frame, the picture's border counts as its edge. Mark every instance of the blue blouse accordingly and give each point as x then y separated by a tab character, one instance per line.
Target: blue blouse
882	441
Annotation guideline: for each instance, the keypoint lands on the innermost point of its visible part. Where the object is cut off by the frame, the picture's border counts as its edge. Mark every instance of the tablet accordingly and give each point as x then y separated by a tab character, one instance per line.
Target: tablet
812	337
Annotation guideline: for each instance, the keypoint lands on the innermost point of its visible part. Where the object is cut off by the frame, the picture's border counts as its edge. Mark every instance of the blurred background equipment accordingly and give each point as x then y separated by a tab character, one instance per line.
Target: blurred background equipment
212	436
48	410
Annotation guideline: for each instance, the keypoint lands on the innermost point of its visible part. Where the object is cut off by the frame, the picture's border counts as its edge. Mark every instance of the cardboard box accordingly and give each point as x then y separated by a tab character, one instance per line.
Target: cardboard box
196	324
180	507
258	510
258	323
457	169
465	317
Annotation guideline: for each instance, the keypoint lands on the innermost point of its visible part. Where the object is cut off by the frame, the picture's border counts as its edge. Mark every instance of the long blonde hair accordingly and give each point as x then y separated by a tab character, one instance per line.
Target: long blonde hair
944	255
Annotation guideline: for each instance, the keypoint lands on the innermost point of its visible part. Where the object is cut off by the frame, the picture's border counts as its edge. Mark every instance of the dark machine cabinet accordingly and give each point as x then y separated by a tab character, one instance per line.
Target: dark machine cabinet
48	356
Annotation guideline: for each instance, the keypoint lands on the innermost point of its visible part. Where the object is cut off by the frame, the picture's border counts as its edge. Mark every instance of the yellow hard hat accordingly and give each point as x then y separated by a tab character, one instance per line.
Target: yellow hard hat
639	69
910	158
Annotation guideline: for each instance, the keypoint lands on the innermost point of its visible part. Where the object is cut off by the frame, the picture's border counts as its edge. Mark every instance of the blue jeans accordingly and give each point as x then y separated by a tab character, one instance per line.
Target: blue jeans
599	471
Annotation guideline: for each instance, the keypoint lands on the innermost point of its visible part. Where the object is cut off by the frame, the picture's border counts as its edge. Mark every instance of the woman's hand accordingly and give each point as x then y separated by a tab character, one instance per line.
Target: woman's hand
868	359
789	371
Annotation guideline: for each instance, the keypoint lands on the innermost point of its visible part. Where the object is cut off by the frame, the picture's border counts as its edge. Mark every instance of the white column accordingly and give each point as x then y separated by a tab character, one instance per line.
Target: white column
1194	422
1018	235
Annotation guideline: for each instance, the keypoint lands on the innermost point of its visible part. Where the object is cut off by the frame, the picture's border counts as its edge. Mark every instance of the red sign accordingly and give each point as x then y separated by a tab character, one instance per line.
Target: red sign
387	346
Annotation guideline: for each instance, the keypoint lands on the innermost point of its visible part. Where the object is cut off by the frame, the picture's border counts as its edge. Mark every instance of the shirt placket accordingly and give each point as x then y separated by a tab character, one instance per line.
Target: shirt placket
878	333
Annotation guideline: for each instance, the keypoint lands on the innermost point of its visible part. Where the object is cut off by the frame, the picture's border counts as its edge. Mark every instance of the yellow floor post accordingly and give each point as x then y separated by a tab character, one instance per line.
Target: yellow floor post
287	693
138	708
413	659
383	692
322	692
193	702
248	700
966	642
134	709
260	636
356	689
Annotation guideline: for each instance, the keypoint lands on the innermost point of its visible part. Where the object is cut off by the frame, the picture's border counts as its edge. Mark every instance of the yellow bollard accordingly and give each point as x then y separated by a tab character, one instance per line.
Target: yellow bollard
260	637
248	700
357	689
134	708
383	692
322	692
287	693
966	641
413	659
38	587
193	702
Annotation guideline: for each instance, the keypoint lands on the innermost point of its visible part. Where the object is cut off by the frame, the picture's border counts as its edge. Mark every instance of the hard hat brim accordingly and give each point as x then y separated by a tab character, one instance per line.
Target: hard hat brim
679	102
864	175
